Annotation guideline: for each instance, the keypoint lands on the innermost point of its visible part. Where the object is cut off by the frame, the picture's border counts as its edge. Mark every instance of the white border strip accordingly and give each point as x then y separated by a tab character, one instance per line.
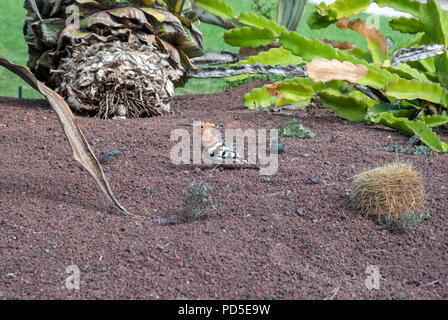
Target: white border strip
373	9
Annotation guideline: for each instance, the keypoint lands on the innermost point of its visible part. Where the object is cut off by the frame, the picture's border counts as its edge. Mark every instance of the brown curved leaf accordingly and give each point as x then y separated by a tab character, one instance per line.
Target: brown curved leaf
129	15
366	30
174	54
101	18
157	14
48	31
273	91
325	70
338	44
81	149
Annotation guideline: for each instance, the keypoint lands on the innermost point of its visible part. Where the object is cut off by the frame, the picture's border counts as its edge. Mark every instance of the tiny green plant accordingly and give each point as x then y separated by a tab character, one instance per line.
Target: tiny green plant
415	150
406	223
197	200
293	128
395	147
422	151
413	147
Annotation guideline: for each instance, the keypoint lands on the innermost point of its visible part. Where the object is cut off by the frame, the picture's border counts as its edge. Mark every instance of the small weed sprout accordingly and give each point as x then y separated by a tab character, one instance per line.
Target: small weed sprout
415	150
406	223
197	200
413	147
293	128
422	151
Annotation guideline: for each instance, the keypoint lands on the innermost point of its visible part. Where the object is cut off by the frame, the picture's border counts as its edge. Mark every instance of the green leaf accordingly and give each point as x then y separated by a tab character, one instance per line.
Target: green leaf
377	55
258	97
217	7
406	25
436	27
288	92
432	17
362	97
362	54
431	76
315	21
435	21
407	72
434	121
346	107
310	49
283	102
249	37
441	64
275	56
326	15
346	8
428	65
254	20
295	91
415	40
411	128
410	6
425	66
414	89
318	86
397	110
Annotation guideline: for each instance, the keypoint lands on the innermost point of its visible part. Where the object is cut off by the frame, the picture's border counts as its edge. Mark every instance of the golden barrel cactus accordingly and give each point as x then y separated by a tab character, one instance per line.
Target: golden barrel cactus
391	191
111	58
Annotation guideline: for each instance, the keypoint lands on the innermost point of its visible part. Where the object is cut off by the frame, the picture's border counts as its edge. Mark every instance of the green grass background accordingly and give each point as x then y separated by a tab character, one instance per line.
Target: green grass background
13	46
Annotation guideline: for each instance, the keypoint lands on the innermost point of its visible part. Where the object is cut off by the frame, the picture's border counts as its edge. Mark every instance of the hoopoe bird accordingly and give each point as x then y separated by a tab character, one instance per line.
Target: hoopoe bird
213	146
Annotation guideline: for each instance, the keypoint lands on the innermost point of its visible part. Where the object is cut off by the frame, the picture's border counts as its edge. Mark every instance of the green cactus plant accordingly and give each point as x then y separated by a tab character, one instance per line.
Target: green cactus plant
405	89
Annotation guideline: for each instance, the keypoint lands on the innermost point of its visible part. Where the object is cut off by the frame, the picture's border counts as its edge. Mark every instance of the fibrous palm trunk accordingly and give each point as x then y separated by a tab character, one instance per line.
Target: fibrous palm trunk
123	59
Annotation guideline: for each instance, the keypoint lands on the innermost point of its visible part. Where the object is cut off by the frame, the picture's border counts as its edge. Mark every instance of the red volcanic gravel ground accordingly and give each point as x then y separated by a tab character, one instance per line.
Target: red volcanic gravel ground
293	237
